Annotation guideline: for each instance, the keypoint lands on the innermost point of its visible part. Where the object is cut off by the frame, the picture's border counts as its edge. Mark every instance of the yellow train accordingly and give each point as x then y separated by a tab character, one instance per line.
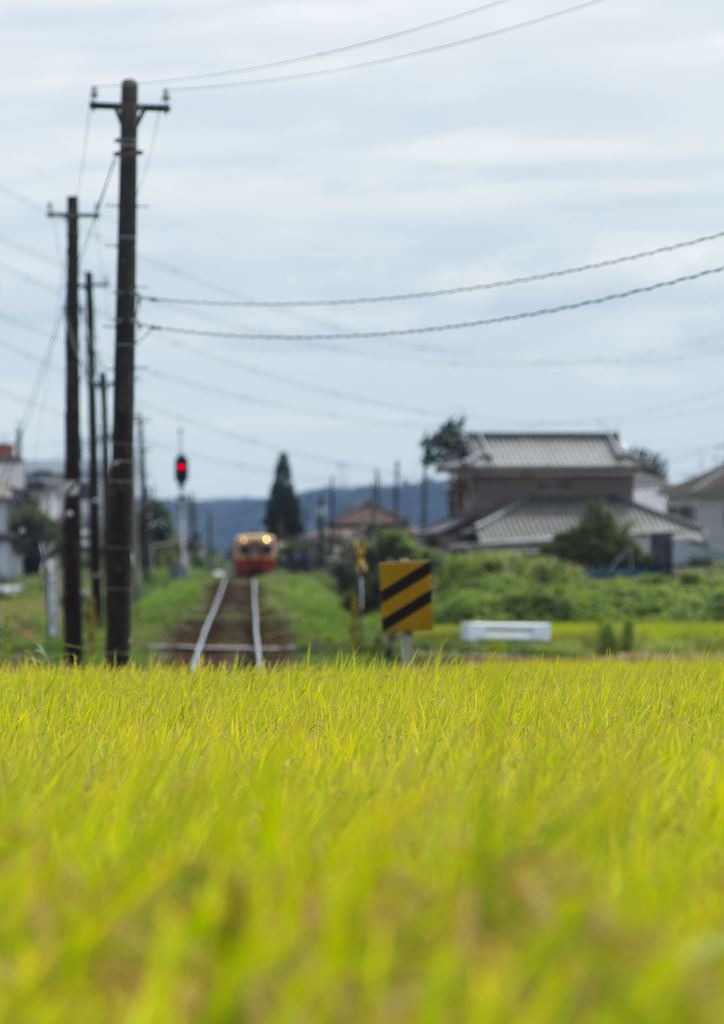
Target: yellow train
254	553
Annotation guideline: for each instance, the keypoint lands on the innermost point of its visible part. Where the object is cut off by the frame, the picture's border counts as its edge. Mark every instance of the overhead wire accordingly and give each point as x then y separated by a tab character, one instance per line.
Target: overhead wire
28	278
32	204
257	442
27	249
453	326
149	154
239	396
410	54
307	386
42	370
439	292
84	150
319	54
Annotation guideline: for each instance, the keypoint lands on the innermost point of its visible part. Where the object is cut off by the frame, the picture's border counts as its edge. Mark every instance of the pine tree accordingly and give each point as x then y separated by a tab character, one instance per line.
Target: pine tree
282	510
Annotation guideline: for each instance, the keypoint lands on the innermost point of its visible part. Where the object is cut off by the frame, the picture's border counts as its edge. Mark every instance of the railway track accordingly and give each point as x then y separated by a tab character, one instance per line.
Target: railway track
236	629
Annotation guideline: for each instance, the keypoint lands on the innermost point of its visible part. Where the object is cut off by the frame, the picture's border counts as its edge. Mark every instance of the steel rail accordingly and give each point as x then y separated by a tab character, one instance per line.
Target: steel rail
256	621
208	623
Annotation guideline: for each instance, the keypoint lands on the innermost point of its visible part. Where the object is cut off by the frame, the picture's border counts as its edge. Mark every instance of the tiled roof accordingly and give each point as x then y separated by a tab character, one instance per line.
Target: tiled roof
366	514
545	451
535	521
708	483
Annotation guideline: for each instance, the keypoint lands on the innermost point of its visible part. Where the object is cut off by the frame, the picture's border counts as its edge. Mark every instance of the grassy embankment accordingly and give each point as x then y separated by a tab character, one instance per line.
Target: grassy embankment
312	606
164	603
537	843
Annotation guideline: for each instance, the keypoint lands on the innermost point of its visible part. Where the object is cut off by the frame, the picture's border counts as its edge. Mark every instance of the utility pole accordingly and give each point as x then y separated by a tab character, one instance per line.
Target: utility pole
321	515
93	483
104	424
423	496
209	534
144	532
193	525
119	540
332	500
72	625
396	491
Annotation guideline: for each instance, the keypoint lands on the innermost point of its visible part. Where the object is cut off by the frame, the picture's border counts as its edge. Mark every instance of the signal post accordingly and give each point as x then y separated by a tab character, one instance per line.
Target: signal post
183	515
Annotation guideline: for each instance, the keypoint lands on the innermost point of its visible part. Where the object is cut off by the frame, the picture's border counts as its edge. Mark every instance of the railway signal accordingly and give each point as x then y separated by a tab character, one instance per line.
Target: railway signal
182	467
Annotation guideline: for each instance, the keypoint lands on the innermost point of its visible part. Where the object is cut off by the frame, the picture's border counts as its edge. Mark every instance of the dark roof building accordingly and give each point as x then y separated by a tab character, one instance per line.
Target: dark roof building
367	515
521	490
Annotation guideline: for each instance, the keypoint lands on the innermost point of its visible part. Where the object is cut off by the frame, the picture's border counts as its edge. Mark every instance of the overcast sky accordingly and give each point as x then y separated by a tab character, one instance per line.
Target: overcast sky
584	138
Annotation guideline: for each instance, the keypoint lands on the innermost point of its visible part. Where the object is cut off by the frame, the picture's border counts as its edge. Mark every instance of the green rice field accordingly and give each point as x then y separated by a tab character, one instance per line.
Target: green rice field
496	841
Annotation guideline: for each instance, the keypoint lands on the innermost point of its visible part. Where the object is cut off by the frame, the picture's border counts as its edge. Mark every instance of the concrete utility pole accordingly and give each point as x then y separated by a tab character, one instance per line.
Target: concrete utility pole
104	423
396	490
119	541
423	497
332	499
72	618
209	533
144	532
93	483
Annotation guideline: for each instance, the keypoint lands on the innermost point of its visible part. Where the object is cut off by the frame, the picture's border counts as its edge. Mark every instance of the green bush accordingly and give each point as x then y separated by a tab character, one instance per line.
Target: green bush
628	636
606	643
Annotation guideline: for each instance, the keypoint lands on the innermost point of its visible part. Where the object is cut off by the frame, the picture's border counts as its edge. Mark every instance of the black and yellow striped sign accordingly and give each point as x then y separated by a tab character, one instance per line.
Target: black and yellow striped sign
406	596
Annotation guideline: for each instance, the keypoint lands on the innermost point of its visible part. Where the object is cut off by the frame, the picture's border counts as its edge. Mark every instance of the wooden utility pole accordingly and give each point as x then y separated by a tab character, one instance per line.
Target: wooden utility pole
93	482
72	617
119	540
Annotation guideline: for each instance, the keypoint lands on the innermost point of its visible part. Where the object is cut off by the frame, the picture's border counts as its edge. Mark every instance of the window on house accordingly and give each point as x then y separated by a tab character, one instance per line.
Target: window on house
686	511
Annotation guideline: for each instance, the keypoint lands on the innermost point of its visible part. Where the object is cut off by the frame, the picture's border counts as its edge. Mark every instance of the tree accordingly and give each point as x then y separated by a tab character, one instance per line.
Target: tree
652	462
597	541
450	441
283	516
31	528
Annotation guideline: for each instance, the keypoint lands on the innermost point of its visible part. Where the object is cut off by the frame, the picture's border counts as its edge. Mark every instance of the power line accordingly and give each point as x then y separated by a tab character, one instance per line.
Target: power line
271	403
150	153
257	442
21	247
456	326
318	54
467	40
32	204
28	278
439	292
83	151
42	370
306	386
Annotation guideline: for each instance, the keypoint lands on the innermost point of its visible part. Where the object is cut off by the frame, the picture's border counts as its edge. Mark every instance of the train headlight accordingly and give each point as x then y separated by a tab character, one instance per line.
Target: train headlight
266	539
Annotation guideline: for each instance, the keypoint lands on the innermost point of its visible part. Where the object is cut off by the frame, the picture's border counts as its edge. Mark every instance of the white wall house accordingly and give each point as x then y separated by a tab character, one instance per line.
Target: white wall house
11	564
701	501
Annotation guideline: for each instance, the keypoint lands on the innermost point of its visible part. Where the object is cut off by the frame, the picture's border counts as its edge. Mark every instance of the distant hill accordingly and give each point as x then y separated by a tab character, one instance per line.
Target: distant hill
230	515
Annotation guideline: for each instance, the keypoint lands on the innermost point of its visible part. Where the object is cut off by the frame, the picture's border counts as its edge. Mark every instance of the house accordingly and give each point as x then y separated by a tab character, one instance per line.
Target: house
518	491
700	500
12	482
366	516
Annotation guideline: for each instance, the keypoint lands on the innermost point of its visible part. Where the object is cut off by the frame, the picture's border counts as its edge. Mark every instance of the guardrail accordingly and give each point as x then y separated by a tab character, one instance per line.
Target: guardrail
477	631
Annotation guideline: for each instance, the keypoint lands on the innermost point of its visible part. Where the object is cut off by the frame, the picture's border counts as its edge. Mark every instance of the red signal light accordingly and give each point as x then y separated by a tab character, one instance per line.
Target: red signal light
181	469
